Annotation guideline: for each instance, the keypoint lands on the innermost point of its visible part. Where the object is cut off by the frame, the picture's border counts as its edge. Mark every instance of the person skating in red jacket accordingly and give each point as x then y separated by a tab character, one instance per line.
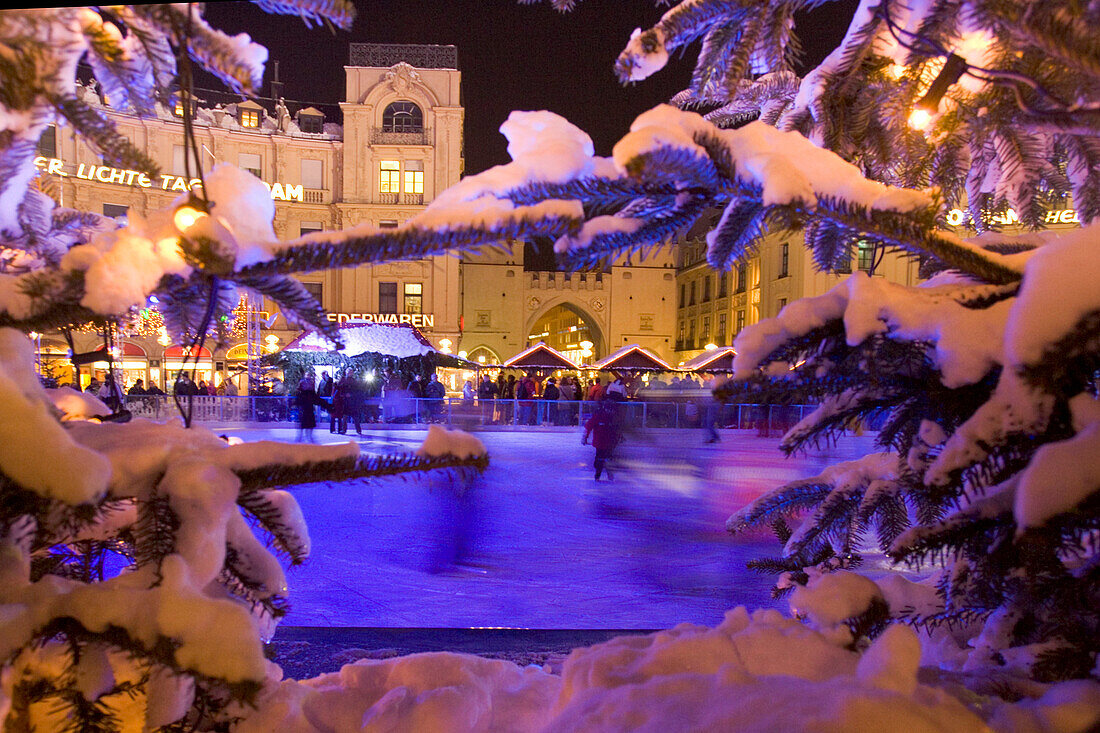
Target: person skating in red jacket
604	429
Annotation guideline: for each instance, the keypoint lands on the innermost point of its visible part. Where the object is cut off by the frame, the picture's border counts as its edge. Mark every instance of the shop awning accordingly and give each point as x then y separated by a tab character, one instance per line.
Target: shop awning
190	352
539	356
633	358
715	360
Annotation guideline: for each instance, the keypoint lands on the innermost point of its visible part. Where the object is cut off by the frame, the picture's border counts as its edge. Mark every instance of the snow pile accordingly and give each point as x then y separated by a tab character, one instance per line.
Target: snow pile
441	441
753	672
967	342
788	167
35	450
122	267
545	148
420	692
76	405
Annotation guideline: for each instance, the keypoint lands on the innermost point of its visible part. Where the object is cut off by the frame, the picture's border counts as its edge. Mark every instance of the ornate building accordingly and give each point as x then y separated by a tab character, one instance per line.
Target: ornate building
400	144
397	147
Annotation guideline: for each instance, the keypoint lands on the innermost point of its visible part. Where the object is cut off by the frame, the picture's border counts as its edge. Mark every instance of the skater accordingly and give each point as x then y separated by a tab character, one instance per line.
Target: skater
306	399
604	430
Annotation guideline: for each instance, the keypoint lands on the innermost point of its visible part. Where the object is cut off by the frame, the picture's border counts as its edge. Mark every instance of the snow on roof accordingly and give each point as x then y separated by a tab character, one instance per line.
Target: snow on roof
399	340
633	357
540	355
720	359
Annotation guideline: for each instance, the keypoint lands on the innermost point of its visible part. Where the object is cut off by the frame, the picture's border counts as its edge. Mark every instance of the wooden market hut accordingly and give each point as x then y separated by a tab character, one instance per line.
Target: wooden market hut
631	359
539	357
367	346
713	361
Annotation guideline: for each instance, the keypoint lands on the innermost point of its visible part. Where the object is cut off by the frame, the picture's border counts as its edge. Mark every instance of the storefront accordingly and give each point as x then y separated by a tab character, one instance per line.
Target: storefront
131	363
190	359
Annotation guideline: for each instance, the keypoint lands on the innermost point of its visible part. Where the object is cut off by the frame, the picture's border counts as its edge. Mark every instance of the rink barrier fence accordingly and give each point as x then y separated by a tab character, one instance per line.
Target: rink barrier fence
461	413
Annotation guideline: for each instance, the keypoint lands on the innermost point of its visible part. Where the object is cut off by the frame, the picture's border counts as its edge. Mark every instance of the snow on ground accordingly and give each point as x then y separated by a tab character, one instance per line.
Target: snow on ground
536	542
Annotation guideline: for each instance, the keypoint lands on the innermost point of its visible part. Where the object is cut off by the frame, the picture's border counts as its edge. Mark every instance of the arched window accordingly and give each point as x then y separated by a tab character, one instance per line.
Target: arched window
402	117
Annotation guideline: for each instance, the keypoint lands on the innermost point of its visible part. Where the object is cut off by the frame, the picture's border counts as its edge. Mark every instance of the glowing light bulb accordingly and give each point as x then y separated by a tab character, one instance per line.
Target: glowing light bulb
186	217
895	71
920	118
710	347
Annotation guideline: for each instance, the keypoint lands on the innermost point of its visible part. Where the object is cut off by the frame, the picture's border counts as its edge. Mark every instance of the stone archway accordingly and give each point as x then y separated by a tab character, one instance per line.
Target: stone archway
565	326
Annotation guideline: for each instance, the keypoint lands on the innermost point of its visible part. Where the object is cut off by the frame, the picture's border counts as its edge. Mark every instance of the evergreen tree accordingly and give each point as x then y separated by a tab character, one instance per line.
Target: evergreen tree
141	562
983	377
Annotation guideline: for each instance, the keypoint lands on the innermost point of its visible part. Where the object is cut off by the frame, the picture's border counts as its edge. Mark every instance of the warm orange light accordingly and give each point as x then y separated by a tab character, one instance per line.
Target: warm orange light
920	118
185	217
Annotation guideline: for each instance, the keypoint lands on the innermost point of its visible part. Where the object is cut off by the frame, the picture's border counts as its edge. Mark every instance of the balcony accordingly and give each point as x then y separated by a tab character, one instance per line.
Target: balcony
315	196
378	136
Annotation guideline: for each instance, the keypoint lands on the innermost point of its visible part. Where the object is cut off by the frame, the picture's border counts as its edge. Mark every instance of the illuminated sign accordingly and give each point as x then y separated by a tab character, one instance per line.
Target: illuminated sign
166	182
955	217
420	320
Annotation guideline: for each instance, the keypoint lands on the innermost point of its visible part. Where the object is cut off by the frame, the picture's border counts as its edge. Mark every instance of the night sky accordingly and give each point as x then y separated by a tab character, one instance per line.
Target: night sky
511	55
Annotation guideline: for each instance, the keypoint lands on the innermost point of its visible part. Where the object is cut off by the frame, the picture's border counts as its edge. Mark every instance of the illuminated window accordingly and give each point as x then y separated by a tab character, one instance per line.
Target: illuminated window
866	256
250	118
414	176
742	277
414	298
740	321
389	176
402	117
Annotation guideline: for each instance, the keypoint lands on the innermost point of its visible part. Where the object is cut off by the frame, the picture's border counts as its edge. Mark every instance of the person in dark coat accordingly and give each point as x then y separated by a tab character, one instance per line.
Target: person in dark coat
351	391
306	400
435	392
551	394
604	429
324	391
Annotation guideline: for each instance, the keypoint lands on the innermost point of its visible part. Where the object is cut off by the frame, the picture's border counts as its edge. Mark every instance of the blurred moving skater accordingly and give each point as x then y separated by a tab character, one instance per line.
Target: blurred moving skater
604	429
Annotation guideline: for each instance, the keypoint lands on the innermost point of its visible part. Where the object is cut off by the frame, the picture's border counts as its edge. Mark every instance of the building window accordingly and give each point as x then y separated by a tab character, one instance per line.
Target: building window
309	227
250	118
312	124
721	335
402	117
683	295
313	174
180	160
781	305
250	162
680	337
706	289
704	336
115	210
47	144
414	176
691	293
784	259
387	297
387	224
389	176
742	277
844	262
723	285
740	321
317	290
414	298
865	256
691	334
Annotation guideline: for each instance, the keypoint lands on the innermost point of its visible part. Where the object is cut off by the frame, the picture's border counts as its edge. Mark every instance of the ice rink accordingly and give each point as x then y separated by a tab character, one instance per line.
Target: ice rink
536	542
